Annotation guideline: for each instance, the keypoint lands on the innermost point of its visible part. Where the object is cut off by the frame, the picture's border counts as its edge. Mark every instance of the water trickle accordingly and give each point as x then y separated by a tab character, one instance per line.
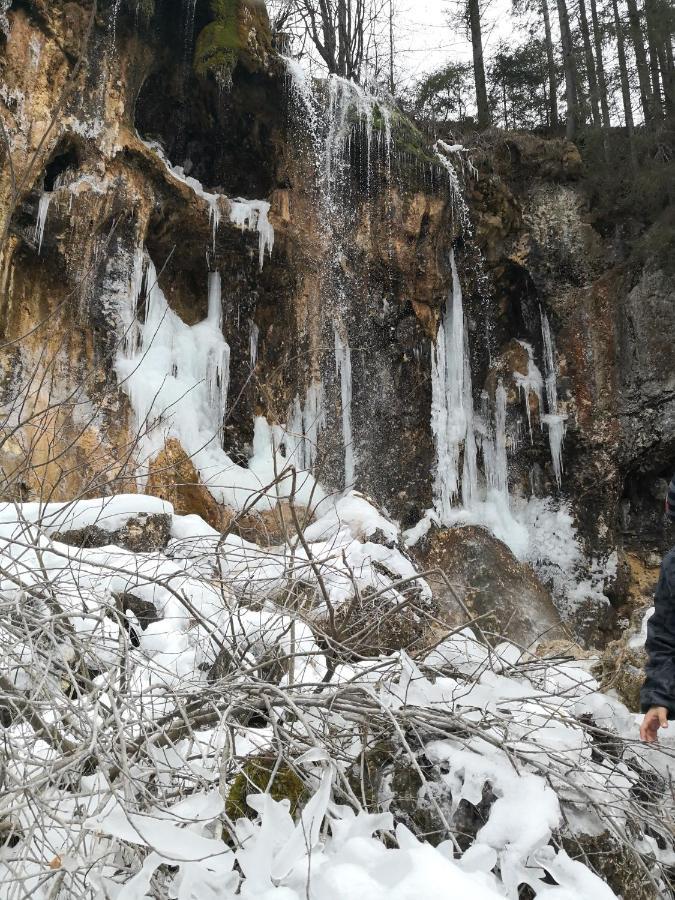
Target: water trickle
43	210
343	364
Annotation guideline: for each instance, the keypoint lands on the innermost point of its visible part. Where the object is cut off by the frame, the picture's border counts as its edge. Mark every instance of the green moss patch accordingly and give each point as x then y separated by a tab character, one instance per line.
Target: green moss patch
254	778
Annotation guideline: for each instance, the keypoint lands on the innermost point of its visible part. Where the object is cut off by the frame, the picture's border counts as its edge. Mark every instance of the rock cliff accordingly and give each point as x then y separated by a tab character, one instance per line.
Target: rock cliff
175	133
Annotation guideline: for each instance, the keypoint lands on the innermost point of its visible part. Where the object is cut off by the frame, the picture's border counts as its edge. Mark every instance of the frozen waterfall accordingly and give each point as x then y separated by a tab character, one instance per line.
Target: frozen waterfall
451	403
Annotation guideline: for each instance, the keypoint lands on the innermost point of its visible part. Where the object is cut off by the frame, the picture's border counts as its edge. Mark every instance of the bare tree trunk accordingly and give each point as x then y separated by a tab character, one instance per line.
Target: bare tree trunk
667	73
392	85
625	84
590	64
602	80
484	118
550	62
570	71
637	39
656	60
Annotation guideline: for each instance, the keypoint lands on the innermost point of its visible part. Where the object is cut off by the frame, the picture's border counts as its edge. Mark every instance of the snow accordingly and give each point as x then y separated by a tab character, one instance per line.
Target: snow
108	513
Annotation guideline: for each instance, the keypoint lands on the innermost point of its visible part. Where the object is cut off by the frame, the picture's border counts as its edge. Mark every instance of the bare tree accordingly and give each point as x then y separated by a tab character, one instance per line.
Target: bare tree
569	64
625	82
473	13
550	61
602	79
590	64
637	39
345	33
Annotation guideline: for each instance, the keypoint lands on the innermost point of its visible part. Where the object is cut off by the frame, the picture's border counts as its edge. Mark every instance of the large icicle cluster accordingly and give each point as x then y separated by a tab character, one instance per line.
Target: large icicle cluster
463	437
177	378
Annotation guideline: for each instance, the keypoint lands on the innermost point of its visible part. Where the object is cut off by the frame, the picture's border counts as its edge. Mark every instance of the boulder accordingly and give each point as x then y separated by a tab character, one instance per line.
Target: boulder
492	584
174	478
141	534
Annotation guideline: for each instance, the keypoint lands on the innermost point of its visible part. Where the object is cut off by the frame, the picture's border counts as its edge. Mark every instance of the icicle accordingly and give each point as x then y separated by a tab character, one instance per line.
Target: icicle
557	424
549	365
253	344
214	216
470	471
252	215
43	209
343	363
294	436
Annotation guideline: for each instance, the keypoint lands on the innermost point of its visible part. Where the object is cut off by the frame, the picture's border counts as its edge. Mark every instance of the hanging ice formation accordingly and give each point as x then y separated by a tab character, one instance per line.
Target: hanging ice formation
247	215
451	403
252	215
305	423
43	209
556	423
177	377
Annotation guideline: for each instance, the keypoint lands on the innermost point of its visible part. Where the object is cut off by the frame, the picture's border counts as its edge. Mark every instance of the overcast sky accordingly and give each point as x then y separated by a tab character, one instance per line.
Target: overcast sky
426	41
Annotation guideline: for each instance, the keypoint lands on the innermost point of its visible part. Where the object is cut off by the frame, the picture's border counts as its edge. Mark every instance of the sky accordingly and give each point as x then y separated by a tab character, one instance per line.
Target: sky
426	41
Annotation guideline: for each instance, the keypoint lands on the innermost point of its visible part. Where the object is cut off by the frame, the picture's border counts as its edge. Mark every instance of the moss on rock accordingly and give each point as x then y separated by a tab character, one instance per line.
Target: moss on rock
254	778
239	33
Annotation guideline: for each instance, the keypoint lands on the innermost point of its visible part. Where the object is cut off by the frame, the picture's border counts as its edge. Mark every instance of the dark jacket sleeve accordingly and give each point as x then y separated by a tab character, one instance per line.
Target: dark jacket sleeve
659	687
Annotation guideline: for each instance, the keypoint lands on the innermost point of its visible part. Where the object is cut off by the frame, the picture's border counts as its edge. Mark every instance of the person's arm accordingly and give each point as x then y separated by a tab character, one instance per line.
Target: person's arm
657	698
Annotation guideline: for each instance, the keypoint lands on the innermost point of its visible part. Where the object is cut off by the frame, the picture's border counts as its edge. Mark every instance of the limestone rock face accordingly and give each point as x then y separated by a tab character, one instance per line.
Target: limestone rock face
503	593
613	338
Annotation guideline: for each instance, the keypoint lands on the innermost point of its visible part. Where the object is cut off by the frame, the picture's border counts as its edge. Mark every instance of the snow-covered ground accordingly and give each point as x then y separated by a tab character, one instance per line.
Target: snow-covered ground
136	686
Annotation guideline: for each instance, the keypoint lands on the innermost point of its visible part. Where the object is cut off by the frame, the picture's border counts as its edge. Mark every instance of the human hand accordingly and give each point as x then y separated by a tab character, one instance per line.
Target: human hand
656	718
